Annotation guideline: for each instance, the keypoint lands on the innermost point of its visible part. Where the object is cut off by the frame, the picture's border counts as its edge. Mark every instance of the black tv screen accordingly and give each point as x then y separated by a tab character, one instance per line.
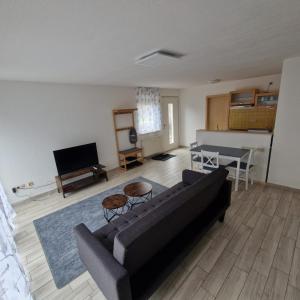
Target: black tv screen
75	158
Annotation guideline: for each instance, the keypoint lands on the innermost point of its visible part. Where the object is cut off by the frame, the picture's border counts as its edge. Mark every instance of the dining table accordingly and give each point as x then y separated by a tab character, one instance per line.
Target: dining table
227	153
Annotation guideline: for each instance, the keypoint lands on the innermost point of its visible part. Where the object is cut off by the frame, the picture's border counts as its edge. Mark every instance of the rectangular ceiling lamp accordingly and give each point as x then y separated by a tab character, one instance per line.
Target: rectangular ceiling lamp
158	58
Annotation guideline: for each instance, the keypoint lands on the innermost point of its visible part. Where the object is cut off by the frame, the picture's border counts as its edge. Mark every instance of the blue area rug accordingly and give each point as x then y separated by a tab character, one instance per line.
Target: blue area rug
55	232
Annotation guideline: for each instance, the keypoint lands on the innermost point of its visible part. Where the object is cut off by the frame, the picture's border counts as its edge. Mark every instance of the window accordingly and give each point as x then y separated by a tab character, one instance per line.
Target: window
149	112
171	123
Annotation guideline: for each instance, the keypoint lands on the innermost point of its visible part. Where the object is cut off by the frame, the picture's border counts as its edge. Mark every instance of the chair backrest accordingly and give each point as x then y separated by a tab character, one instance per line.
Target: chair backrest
209	159
193	145
250	158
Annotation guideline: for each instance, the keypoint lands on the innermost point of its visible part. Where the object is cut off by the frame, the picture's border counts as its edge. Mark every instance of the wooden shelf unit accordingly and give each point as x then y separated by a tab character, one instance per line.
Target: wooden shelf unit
132	156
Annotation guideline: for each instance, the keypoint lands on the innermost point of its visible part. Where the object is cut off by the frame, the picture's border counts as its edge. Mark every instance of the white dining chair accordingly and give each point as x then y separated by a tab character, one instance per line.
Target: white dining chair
195	157
246	168
209	161
193	145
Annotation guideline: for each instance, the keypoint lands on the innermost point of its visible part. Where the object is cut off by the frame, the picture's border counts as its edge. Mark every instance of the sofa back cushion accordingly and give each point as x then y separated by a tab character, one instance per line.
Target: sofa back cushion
137	243
189	177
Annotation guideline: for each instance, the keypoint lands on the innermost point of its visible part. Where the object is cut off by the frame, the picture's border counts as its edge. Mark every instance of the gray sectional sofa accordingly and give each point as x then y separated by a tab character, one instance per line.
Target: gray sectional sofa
131	256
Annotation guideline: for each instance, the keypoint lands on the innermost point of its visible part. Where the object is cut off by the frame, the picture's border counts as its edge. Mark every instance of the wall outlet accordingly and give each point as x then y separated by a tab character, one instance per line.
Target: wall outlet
30	184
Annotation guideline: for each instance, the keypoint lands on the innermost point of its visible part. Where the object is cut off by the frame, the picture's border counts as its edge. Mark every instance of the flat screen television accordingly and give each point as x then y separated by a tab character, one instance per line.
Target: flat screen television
76	158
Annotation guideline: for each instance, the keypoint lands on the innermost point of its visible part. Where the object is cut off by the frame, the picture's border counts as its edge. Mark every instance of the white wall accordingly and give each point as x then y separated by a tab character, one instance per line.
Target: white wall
192	102
285	159
37	118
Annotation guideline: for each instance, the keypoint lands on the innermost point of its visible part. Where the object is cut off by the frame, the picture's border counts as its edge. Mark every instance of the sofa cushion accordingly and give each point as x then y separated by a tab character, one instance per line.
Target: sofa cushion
107	233
137	243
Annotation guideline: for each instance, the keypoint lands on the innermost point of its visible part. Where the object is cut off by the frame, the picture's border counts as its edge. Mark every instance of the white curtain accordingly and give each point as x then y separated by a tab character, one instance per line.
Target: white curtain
148	110
13	281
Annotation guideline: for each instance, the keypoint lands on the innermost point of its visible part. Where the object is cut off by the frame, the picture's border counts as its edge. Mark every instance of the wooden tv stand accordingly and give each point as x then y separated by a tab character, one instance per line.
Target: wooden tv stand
97	174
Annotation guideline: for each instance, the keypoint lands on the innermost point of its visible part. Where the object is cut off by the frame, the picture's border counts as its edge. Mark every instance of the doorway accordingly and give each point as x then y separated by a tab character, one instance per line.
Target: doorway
170	118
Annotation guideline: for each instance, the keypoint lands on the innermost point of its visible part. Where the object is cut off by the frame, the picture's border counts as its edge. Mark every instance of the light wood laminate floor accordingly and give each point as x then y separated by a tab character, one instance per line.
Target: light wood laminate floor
254	254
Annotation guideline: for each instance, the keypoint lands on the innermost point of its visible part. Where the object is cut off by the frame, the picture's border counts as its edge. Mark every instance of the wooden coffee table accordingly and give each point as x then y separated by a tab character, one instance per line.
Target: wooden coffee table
114	205
138	192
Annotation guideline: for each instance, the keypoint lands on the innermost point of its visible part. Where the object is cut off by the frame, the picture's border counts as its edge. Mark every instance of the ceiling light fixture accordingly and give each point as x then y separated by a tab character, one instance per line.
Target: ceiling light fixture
216	80
158	58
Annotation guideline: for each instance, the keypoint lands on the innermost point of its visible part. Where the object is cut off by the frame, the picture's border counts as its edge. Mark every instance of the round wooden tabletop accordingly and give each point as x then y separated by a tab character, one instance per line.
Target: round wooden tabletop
137	189
114	201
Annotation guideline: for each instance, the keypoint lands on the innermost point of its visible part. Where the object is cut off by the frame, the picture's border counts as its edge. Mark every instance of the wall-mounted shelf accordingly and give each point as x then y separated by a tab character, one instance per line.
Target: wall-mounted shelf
243	97
266	99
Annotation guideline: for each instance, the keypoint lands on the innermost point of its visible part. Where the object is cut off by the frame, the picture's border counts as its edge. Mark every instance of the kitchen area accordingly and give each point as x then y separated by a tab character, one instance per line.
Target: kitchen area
242	119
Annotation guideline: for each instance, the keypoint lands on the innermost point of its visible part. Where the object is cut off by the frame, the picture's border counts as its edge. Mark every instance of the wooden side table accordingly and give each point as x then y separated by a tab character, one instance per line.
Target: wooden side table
114	205
140	190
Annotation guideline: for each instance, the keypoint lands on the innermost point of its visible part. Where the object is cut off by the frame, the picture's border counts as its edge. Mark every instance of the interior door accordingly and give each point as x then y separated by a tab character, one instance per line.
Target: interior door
170	122
217	112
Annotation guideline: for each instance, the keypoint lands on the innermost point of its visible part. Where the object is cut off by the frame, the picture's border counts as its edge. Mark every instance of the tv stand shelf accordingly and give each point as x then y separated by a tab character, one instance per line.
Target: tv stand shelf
97	174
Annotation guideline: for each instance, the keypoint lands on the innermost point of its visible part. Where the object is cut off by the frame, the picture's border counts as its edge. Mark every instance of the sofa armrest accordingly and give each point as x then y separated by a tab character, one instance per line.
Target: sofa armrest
225	192
110	276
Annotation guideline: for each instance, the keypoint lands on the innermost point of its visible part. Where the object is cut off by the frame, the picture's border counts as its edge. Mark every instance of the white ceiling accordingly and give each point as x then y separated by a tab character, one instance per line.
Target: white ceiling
97	41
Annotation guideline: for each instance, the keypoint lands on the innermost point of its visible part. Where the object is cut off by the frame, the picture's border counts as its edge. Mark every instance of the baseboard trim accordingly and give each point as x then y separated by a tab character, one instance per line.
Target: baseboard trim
284	187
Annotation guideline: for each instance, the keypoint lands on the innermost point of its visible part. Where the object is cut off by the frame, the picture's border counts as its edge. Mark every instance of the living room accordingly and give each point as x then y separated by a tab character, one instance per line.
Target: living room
149	150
